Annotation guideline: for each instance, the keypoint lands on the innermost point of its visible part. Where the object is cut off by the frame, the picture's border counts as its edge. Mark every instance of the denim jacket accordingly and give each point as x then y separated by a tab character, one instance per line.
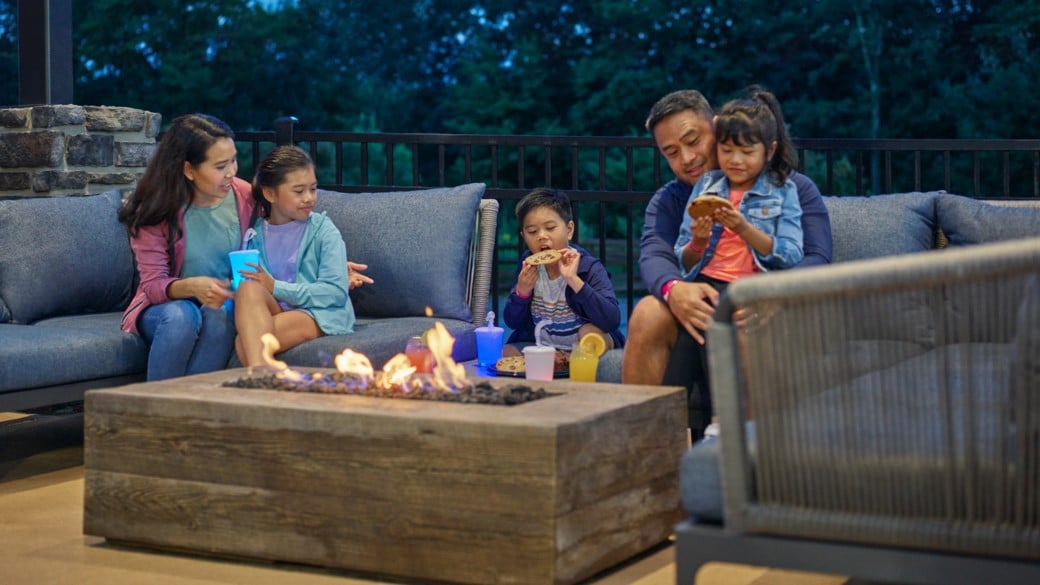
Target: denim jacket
773	210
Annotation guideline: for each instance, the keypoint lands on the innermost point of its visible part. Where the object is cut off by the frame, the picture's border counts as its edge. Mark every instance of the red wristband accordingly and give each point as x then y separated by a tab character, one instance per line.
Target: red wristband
667	288
520	295
694	248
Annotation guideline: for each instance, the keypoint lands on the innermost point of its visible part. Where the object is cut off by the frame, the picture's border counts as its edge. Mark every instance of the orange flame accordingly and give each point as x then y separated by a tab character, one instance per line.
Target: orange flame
398	371
271	347
352	362
447	374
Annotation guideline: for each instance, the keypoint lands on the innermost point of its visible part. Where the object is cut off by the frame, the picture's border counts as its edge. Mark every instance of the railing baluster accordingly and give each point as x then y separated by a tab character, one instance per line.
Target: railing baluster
872	162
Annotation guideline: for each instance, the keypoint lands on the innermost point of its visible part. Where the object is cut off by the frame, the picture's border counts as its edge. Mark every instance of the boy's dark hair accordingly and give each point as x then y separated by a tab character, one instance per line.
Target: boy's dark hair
544	197
757	118
272	170
678	101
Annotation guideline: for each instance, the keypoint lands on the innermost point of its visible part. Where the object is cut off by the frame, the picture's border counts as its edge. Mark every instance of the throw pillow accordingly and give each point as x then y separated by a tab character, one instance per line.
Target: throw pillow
967	221
416	245
881	225
63	256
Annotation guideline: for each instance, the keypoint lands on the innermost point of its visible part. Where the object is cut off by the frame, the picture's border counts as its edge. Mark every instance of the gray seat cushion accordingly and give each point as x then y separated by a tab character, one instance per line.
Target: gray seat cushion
63	256
379	339
609	367
67	350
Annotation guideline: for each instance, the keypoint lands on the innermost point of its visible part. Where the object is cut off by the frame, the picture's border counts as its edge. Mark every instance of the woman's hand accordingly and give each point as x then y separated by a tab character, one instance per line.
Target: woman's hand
357	279
210	292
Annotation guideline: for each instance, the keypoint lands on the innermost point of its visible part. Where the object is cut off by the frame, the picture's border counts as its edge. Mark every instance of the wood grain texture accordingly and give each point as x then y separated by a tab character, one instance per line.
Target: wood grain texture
551	491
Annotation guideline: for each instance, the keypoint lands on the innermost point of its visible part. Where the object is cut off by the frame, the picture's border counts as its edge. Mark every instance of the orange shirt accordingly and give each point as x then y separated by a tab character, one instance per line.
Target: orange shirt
732	257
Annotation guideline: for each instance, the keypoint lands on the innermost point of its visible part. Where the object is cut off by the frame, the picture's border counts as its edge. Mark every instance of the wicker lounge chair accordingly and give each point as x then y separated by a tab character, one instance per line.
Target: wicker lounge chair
881	419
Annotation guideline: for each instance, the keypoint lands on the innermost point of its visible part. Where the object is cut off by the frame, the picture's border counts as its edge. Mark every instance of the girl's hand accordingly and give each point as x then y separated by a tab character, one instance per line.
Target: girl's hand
701	229
357	279
265	279
732	219
526	279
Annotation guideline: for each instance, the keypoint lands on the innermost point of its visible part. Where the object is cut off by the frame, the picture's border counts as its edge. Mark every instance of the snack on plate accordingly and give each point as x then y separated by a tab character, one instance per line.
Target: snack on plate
562	362
543	257
705	206
514	364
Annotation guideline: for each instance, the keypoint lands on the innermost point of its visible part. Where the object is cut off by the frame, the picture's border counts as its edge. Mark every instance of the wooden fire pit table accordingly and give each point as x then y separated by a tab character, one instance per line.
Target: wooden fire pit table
550	491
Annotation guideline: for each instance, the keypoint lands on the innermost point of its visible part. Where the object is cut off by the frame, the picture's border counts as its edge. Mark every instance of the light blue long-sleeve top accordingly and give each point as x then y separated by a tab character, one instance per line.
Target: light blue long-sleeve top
322	284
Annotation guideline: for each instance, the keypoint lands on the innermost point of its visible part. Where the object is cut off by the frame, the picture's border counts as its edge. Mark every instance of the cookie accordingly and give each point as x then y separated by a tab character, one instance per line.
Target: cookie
543	257
514	364
705	206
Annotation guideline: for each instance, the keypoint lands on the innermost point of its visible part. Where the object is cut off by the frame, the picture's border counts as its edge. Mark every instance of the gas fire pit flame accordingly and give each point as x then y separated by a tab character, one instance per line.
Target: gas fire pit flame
447	374
397	371
271	347
352	362
397	375
398	378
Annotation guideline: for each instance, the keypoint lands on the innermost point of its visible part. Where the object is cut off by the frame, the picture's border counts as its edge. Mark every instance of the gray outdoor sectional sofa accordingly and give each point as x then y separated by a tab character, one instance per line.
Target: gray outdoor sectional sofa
67	272
880	417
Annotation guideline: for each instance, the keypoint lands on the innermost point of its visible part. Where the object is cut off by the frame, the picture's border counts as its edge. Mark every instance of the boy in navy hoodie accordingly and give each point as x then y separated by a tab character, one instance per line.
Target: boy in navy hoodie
570	290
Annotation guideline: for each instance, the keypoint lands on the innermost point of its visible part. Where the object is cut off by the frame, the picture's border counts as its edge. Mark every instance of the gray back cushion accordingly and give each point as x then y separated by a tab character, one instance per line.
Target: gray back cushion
63	256
881	225
967	221
416	245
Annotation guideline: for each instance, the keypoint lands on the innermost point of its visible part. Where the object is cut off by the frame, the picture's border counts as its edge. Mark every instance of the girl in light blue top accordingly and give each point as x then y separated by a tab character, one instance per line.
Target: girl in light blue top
300	289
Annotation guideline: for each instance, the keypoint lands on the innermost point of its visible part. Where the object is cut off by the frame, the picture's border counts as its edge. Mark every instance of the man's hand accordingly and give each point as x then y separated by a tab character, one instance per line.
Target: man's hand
693	304
357	279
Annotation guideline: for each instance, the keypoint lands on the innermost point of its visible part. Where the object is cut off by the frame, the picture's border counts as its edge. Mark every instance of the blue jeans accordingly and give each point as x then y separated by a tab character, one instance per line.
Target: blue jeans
185	338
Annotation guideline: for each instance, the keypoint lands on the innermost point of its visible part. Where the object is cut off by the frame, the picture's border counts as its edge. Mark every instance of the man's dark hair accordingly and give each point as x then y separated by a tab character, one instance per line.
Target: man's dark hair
675	102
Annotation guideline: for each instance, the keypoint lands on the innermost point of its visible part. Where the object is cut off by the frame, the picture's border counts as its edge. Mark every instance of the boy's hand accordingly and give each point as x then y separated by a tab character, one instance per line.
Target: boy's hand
526	279
569	263
569	268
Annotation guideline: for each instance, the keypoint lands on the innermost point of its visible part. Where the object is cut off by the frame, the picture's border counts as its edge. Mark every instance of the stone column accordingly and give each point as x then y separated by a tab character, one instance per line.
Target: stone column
73	150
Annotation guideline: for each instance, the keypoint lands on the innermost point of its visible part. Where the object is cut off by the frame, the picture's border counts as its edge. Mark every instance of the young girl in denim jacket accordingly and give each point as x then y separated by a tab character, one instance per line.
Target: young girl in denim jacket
300	289
763	230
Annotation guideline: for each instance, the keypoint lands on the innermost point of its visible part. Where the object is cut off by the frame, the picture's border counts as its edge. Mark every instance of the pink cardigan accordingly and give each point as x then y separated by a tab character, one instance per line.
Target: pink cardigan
153	259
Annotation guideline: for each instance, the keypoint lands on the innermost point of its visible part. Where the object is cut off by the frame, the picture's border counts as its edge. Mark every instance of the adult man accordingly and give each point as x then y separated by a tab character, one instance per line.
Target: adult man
665	329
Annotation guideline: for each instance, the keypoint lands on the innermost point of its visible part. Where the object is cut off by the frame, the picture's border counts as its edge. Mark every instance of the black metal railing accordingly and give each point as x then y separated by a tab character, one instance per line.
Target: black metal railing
610	179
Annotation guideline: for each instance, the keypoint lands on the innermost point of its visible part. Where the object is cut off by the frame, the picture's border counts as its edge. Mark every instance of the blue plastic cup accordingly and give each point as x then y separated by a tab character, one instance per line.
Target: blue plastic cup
238	260
489	345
